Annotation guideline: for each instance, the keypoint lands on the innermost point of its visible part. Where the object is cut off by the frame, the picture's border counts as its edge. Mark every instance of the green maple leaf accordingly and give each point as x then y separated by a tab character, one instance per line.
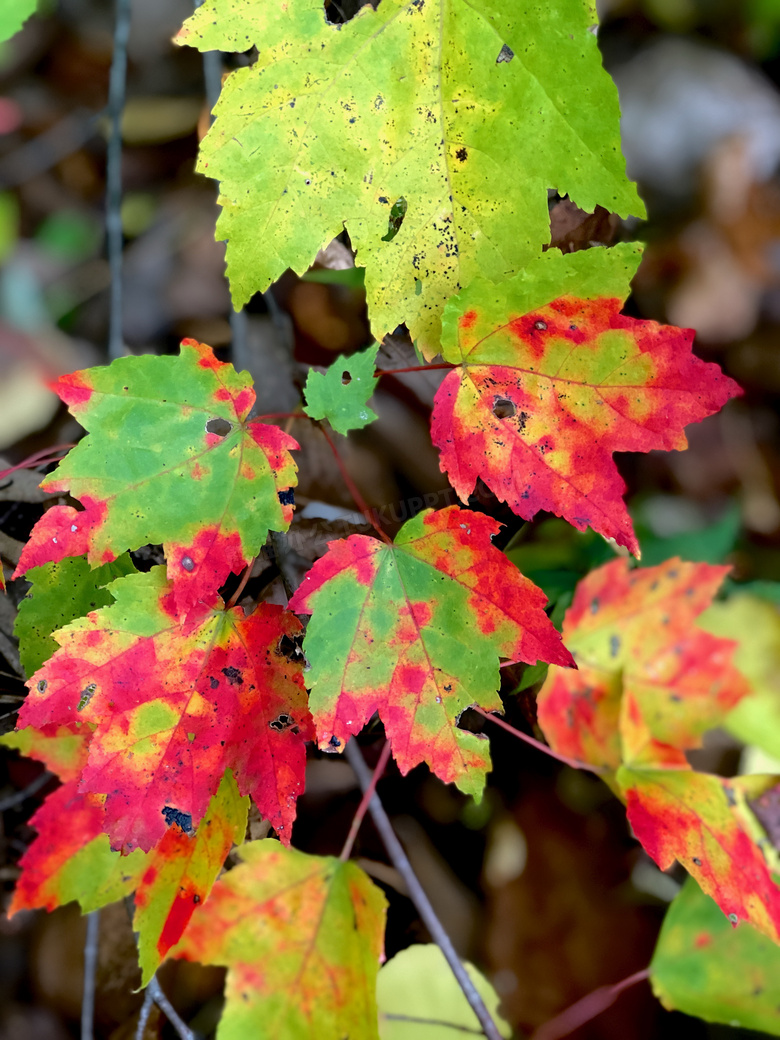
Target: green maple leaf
341	394
443	105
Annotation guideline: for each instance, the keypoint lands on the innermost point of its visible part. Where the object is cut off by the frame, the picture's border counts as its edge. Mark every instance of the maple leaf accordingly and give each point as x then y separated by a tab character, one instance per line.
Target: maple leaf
693	966
171	458
61	592
341	394
648	685
301	937
176	703
70	860
551	379
414	630
631	633
704	822
483	101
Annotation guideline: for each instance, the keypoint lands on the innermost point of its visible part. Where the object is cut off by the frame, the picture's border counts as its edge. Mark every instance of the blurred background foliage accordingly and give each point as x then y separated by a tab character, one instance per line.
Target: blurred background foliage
541	884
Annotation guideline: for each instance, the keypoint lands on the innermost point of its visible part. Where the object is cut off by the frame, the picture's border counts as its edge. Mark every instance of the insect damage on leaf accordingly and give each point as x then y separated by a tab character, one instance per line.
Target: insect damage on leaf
173	705
301	937
415	630
171	458
552	379
407	163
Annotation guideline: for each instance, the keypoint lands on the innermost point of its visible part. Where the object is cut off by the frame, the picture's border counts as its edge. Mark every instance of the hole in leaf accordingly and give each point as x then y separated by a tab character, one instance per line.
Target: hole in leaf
221	427
86	696
286	497
289	647
346	378
505	54
503	409
540	325
395	220
41	685
188	564
281	722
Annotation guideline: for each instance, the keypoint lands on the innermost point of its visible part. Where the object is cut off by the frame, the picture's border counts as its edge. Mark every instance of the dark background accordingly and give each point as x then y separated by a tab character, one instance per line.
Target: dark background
542	885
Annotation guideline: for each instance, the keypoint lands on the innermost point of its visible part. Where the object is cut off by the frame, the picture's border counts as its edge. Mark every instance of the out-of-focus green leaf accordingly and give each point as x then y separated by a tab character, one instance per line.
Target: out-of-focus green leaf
351	277
13	15
419	999
705	544
704	966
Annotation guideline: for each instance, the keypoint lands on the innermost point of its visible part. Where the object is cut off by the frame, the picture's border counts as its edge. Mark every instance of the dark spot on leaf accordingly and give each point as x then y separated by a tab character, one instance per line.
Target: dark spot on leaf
462	154
213	683
181	819
188	563
196	899
287	497
334	741
503	408
594	606
614	645
86	696
221	427
233	676
697	861
505	54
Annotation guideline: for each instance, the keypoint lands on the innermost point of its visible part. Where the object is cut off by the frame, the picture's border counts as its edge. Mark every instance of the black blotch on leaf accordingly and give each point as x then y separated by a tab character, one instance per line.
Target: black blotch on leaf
233	676
462	154
221	427
334	741
287	497
196	899
181	819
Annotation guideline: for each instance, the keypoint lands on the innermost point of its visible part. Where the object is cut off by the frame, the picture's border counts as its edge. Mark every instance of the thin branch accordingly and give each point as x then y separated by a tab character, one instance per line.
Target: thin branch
381	765
379	372
168	1010
27	792
360	502
573	762
116	104
143	1016
432	1022
586	1009
417	895
39	458
242	584
281	550
90	970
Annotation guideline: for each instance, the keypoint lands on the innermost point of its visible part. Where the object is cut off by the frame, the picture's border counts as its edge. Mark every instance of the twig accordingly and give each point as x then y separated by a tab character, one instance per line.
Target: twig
432	1022
116	104
90	970
360	502
242	584
27	792
418	896
168	1010
39	458
379	372
586	1009
281	549
381	765
143	1016
573	762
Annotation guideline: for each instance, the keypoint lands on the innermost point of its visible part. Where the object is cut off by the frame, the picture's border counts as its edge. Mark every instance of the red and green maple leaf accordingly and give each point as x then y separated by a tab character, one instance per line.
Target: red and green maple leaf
415	630
174	704
551	379
632	634
301	937
70	859
649	684
170	457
